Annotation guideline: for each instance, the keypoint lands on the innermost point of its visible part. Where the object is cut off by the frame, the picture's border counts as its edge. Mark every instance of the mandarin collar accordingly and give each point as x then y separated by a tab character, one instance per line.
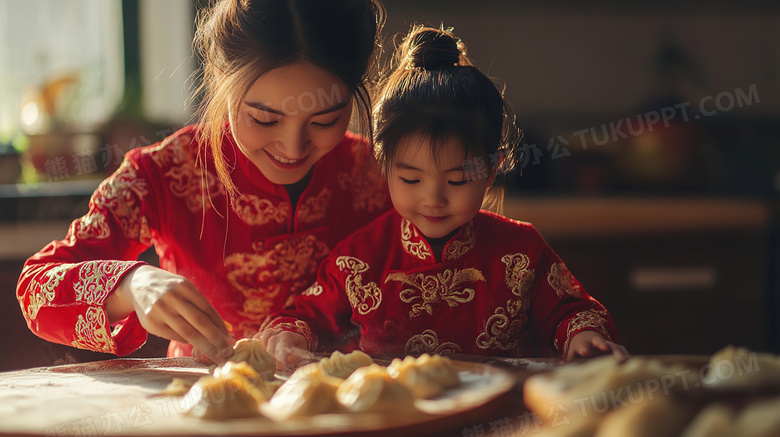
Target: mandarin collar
415	244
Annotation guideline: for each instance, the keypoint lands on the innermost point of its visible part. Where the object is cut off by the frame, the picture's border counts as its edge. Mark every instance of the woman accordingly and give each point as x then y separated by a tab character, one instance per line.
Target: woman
240	207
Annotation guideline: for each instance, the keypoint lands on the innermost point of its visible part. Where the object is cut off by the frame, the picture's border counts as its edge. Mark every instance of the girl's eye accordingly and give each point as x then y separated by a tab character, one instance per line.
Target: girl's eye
459	183
409	181
326	125
263	123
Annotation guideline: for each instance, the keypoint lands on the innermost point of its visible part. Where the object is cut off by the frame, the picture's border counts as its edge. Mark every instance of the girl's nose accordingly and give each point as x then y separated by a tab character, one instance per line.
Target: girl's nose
435	196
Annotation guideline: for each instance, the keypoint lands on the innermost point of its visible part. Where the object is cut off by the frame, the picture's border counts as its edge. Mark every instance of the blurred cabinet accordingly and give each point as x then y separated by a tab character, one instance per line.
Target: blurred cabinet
680	276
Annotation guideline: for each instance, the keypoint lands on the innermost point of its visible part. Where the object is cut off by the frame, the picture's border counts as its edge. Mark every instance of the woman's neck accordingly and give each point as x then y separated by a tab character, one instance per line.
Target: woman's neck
295	190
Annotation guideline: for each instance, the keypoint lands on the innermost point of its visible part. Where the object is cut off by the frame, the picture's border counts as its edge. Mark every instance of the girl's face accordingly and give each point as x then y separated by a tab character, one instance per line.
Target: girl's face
291	117
433	194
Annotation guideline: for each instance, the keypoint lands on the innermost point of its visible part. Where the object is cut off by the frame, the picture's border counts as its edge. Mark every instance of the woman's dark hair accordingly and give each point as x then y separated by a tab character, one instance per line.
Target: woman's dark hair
239	40
436	91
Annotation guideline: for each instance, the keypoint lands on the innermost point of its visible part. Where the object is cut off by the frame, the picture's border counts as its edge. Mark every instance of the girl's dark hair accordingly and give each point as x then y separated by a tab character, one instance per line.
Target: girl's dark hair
239	40
436	91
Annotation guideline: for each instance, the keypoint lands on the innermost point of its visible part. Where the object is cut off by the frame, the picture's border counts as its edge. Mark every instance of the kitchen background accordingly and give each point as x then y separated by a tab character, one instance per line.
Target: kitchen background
652	160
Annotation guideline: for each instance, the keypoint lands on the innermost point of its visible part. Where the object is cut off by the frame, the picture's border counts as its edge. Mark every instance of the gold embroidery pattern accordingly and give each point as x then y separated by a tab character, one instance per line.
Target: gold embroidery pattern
562	281
43	291
315	208
96	280
416	248
502	329
258	304
500	332
91	226
285	268
367	186
120	194
363	298
428	343
517	276
314	290
432	289
458	248
92	331
187	179
256	211
586	319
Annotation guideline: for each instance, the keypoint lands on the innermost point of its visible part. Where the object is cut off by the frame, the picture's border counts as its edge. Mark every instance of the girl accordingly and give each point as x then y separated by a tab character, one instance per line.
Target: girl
437	274
242	207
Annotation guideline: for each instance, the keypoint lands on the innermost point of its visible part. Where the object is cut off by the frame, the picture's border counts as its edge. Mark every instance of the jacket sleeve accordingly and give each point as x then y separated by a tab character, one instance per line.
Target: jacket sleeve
323	312
63	288
561	307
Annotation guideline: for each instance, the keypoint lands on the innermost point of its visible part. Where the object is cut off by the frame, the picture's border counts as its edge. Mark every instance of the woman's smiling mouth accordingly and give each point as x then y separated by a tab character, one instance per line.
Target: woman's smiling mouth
284	163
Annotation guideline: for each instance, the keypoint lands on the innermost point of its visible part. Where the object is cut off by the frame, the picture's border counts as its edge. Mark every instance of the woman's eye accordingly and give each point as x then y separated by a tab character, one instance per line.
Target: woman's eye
409	181
459	183
326	125
263	123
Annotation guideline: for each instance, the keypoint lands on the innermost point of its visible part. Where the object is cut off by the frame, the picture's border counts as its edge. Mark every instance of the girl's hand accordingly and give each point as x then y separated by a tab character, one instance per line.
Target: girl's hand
289	348
169	306
591	343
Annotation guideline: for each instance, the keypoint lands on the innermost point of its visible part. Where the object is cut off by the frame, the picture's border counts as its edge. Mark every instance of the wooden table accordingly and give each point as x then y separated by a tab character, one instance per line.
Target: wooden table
116	397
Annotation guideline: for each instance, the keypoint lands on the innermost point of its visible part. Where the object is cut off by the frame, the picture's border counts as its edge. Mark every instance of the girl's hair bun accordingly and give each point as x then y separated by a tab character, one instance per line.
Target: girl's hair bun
431	49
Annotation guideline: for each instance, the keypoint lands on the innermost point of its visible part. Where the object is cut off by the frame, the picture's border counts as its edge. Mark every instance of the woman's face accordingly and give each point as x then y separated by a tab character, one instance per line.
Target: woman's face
291	117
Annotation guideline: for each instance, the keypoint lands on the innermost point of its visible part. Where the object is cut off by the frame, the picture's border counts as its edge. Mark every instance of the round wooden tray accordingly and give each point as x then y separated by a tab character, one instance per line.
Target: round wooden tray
120	397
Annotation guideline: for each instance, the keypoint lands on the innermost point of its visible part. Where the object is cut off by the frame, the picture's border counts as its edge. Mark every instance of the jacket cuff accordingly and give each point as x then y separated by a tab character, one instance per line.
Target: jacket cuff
298	326
589	320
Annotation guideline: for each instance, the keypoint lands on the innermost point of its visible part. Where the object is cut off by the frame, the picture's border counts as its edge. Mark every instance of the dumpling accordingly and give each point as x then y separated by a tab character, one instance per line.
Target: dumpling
656	416
243	369
426	376
714	420
229	395
569	384
372	389
253	352
177	387
759	419
338	364
738	368
305	397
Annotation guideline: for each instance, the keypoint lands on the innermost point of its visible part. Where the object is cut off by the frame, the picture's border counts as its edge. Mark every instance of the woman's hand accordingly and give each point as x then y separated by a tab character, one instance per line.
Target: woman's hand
169	306
591	343
289	348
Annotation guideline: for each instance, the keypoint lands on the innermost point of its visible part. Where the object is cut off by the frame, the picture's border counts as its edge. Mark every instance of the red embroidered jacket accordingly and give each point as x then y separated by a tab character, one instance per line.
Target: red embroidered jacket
500	291
247	262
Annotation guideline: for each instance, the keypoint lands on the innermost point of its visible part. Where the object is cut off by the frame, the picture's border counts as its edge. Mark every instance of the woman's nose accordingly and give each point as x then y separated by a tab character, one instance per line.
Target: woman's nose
294	143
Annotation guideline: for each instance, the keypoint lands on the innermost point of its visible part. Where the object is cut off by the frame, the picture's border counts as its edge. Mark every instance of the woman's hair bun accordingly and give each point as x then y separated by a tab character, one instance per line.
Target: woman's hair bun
431	49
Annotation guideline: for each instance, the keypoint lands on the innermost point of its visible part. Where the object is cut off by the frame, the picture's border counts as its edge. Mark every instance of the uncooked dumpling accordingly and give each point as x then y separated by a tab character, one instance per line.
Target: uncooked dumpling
738	368
759	419
372	389
655	416
714	420
569	385
338	364
243	369
305	397
177	387
253	352
426	376
227	396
